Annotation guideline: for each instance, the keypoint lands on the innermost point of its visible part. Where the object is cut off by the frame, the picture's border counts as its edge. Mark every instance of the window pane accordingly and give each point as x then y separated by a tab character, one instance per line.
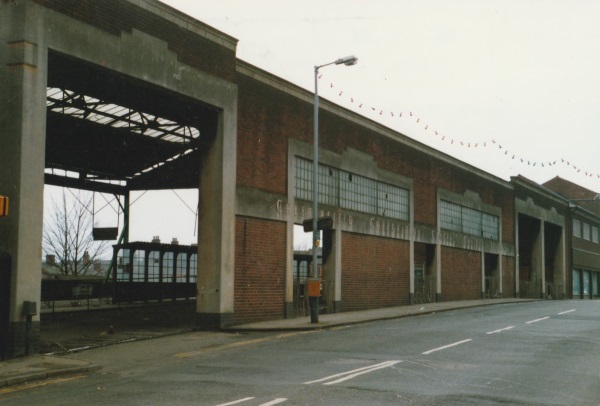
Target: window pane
450	216
193	267
586	231
392	201
490	226
576	228
358	193
328	185
595	234
471	221
304	179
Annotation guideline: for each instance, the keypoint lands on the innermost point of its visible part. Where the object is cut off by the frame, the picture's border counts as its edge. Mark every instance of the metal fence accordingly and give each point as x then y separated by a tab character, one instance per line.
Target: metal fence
425	289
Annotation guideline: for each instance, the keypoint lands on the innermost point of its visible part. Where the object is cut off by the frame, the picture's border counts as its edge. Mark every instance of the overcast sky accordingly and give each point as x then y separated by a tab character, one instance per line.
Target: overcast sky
502	85
522	75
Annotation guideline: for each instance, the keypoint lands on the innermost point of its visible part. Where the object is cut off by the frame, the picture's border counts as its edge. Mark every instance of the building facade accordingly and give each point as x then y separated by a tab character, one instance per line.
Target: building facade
164	103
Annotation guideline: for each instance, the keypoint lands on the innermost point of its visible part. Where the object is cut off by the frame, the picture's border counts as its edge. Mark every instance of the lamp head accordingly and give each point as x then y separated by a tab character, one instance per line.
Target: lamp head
348	60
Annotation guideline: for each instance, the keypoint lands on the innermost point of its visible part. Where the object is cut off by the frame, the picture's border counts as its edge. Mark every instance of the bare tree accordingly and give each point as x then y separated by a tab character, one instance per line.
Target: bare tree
68	235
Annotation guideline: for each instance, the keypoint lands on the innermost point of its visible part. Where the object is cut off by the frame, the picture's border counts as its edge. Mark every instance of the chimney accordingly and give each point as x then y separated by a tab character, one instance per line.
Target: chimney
175	242
86	258
97	266
51	259
156	239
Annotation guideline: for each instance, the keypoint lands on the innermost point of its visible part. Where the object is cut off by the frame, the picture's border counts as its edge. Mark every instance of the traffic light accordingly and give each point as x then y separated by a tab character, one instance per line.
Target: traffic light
3	206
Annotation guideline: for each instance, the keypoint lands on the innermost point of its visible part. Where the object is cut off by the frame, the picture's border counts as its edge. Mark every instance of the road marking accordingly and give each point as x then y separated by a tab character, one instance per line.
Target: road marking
568	311
500	330
447	346
274	402
353	374
38	384
235	402
536	320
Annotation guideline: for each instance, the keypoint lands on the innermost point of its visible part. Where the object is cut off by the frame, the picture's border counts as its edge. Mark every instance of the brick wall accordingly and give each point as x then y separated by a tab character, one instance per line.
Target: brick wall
461	274
259	290
375	272
115	17
266	119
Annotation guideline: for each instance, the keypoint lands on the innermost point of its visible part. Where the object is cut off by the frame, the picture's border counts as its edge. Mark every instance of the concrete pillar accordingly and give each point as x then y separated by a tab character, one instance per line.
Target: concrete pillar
290	271
438	272
537	261
542	241
216	226
517	276
23	77
560	268
482	273
337	260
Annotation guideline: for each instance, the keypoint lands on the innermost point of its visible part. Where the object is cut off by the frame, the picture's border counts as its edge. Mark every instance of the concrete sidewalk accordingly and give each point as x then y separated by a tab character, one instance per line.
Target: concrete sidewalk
40	367
365	316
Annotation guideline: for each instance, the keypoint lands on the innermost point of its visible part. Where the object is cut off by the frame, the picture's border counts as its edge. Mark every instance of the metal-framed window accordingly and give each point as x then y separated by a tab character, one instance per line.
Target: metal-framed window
328	185
576	228
392	201
450	216
586	232
358	193
595	234
471	221
304	179
461	219
351	191
490	226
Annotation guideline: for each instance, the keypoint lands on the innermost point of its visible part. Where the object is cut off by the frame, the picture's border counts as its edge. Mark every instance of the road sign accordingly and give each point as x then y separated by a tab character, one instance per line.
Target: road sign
323	223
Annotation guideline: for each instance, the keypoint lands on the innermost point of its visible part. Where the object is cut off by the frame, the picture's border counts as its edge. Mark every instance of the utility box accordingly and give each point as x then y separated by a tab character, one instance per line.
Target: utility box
29	308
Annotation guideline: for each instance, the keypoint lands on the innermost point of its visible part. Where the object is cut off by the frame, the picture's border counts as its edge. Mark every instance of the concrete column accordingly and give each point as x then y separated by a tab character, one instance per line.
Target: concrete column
537	259
517	276
482	273
216	226
23	77
542	255
337	257
438	272
289	269
560	267
500	271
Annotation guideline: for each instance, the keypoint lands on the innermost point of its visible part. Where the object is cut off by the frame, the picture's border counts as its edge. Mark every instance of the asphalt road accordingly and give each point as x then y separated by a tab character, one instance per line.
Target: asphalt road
538	353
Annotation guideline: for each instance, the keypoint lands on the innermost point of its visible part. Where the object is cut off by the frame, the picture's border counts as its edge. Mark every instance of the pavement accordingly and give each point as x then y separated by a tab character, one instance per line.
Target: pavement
68	331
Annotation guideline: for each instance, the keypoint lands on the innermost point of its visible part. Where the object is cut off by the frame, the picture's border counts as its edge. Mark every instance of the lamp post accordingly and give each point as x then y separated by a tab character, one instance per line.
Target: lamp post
314	298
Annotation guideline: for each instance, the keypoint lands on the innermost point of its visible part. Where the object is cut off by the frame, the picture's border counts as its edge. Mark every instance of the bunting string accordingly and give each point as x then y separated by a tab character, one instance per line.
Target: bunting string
456	141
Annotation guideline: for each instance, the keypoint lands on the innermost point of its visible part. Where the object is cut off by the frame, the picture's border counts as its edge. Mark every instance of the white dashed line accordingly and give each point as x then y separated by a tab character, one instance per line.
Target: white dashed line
447	346
274	402
500	330
354	373
536	320
568	311
235	402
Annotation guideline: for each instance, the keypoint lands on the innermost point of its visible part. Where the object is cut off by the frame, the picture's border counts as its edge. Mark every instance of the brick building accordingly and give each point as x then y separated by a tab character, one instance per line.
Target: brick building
583	225
138	94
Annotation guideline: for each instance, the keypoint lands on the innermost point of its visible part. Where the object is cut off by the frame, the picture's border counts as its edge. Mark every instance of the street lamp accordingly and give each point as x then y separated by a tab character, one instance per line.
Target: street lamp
314	297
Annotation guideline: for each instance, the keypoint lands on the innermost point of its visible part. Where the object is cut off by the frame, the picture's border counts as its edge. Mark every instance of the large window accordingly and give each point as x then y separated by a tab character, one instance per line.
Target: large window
451	216
465	220
351	191
595	234
576	228
586	232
